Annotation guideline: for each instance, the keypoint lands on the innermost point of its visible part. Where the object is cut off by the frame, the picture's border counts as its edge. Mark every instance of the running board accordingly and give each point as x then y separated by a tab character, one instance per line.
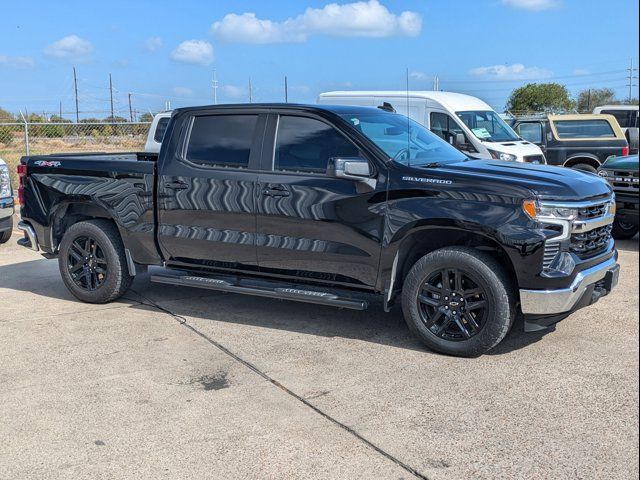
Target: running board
233	285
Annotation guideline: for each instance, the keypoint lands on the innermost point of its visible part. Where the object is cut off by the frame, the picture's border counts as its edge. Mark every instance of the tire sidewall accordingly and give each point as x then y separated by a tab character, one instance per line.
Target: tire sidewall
500	314
105	292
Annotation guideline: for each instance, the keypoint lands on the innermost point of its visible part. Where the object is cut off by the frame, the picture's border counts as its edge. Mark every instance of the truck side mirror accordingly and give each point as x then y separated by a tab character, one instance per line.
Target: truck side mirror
459	140
355	168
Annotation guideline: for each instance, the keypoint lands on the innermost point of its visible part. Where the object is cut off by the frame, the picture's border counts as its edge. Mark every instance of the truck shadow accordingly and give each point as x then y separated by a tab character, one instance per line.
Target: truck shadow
41	278
628	245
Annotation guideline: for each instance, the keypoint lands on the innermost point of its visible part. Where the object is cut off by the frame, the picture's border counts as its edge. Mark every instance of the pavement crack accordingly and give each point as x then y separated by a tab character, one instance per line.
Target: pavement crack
183	322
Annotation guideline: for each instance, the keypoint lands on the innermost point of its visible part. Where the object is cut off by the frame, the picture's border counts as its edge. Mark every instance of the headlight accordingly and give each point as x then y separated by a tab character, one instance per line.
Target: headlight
506	157
5	182
539	211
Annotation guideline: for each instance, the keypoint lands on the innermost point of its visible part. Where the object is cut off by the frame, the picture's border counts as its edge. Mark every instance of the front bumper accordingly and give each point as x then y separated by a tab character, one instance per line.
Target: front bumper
599	280
6	211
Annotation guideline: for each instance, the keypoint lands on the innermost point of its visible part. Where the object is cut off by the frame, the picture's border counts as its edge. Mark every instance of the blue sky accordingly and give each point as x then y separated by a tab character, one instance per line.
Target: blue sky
166	51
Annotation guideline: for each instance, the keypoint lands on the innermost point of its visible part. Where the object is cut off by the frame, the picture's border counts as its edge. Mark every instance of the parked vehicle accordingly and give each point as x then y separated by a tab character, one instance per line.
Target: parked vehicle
622	175
6	204
627	117
464	121
156	132
582	142
325	205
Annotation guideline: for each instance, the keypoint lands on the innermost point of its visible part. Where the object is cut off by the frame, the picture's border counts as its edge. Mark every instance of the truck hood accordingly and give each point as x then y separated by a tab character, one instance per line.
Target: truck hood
621	163
547	182
519	148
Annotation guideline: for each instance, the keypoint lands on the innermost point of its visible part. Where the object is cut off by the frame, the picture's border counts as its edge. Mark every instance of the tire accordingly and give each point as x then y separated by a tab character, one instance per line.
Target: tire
479	271
584	167
623	231
6	235
105	276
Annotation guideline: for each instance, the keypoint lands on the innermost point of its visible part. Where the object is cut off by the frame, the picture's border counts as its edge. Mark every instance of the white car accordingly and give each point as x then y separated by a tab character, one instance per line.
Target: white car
464	121
156	132
6	203
627	117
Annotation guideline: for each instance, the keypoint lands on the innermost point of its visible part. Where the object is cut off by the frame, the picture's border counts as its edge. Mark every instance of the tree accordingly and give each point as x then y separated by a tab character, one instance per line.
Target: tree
6	117
595	97
539	98
146	117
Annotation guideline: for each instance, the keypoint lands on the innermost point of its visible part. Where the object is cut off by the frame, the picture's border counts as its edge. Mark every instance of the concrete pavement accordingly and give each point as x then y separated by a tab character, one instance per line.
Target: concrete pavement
257	388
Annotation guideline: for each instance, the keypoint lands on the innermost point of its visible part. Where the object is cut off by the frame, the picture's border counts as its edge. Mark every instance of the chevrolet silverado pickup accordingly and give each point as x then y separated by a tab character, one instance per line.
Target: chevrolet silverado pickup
329	205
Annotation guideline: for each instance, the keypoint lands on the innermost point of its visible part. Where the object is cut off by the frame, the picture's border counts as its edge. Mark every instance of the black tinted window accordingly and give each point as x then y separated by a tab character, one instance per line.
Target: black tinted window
223	140
305	144
160	129
622	116
584	129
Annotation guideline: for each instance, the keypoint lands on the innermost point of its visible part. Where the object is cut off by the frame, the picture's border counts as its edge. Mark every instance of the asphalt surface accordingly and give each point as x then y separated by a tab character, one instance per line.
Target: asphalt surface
227	386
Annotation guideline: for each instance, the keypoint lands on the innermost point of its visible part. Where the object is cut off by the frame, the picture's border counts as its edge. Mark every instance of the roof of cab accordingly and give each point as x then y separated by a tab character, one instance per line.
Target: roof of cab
456	102
336	109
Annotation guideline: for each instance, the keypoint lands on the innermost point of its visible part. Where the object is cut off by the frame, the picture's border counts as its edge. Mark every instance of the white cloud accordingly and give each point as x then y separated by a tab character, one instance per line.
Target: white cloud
535	5
234	91
420	76
581	71
358	19
152	44
196	52
182	91
71	47
517	71
16	62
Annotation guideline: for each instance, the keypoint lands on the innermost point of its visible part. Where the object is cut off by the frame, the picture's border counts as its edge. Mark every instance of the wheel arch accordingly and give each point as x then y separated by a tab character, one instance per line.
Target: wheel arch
66	214
425	239
579	158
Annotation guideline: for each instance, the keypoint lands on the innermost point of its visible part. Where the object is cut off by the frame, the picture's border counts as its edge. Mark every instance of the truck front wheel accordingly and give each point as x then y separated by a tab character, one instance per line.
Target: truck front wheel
623	230
92	262
458	301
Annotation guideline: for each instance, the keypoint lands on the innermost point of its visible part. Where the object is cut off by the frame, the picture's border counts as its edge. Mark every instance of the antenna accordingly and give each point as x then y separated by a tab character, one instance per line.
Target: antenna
111	97
75	86
286	90
214	84
408	124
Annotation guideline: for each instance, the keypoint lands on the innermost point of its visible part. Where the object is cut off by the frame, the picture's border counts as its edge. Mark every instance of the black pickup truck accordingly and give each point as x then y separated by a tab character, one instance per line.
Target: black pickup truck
329	205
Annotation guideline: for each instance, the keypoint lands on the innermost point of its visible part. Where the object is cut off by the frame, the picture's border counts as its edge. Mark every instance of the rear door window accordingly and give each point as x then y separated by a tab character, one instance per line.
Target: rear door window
221	140
584	129
444	126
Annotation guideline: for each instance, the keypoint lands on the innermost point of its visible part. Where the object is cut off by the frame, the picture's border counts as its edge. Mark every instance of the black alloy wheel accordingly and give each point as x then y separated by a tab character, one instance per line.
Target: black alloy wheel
87	263
452	305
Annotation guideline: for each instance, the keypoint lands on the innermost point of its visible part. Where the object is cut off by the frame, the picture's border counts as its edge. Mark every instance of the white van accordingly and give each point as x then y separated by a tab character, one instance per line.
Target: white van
464	121
156	132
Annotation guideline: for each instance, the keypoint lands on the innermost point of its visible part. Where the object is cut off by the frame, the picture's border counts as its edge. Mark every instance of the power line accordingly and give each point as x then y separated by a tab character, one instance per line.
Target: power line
630	78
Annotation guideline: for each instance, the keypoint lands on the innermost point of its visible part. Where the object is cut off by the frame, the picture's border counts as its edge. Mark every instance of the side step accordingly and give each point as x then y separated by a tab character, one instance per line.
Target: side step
261	289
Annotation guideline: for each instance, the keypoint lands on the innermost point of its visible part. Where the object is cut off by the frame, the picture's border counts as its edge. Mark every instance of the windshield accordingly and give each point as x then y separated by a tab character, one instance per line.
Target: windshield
488	126
404	140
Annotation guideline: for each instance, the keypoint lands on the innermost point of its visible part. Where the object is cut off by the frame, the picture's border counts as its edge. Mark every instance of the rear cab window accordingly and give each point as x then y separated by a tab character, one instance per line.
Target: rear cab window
221	140
161	128
582	129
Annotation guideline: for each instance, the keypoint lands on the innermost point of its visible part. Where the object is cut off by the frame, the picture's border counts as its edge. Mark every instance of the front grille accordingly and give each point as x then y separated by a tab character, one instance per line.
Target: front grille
589	244
594	211
534	159
624	181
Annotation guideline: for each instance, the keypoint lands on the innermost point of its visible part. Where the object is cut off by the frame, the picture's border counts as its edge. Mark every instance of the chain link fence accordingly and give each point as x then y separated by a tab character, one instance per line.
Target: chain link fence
18	139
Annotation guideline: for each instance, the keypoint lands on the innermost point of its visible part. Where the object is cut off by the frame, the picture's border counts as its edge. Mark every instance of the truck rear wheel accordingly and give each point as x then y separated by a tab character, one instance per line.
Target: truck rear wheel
92	262
458	301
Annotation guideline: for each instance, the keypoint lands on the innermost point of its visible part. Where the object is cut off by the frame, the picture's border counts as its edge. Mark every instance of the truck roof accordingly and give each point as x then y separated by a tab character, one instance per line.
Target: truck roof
455	102
337	109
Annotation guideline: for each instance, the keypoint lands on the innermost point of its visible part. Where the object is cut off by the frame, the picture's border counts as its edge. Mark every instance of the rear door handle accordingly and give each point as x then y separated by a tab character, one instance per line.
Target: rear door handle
276	191
176	185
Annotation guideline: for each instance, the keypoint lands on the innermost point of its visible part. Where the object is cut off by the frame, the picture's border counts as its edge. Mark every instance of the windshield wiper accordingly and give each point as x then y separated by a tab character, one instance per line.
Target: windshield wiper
431	165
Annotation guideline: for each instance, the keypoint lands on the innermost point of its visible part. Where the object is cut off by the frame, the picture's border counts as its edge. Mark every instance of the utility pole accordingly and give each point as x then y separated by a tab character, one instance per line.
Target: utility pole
75	84
215	87
60	110
250	91
589	101
111	97
286	90
130	109
631	78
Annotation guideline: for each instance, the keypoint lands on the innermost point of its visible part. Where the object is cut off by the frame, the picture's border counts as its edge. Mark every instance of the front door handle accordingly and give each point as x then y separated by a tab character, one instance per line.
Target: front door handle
178	185
276	191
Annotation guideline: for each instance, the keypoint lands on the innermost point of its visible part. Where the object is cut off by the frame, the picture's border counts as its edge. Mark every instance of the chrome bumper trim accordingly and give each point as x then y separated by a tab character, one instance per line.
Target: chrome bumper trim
549	302
31	235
